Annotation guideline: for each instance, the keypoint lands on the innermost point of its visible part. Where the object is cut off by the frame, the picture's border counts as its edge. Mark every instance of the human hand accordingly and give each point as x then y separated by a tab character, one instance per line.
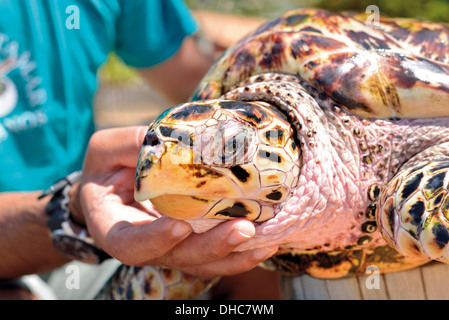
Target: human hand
136	234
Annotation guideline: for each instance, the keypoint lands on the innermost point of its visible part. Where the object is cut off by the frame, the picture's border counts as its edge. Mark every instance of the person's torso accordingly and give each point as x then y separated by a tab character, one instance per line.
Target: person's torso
50	52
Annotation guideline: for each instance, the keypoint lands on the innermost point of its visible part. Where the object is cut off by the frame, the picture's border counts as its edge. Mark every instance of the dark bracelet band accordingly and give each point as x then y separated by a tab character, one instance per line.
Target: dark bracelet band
69	238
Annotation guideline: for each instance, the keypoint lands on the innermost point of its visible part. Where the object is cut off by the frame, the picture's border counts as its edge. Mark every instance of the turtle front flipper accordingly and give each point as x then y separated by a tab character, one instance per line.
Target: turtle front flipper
413	210
153	283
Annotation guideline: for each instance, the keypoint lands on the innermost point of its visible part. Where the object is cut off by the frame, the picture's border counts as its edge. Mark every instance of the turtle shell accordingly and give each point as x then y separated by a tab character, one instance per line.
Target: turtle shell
396	70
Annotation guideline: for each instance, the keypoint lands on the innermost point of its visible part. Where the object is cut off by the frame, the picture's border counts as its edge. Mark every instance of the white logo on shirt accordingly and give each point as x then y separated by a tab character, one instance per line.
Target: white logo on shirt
8	96
12	61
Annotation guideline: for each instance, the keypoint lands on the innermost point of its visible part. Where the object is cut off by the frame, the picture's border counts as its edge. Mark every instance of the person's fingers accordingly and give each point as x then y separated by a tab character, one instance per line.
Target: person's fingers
234	263
134	243
103	201
125	229
112	148
213	245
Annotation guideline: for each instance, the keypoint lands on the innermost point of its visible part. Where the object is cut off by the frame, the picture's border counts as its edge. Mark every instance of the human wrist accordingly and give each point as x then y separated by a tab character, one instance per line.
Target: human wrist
66	222
74	205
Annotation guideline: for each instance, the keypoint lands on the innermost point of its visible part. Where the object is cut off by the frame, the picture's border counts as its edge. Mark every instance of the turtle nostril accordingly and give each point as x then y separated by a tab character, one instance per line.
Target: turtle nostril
154	141
151	139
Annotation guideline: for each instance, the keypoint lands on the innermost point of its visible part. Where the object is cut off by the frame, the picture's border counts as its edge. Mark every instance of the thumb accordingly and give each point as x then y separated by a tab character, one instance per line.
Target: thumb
112	148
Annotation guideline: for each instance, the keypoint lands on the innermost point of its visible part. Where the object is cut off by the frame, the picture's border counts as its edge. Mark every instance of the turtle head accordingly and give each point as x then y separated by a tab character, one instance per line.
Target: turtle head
218	159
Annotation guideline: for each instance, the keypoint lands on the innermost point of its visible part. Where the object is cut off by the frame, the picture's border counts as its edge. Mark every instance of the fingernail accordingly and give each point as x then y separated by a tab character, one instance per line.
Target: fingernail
242	233
264	252
180	229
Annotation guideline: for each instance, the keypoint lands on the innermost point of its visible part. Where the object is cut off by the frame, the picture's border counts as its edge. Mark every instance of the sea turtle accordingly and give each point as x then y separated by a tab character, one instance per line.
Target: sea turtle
330	134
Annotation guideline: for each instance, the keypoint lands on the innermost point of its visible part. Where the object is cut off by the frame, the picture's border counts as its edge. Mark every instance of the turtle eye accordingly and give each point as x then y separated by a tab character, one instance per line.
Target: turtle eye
237	145
228	144
230	147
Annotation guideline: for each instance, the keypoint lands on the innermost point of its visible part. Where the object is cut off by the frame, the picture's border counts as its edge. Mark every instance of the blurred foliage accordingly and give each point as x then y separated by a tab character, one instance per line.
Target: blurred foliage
115	72
435	10
264	8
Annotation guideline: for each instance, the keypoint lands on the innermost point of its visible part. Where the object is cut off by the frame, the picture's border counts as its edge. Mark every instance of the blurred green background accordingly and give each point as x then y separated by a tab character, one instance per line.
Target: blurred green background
435	10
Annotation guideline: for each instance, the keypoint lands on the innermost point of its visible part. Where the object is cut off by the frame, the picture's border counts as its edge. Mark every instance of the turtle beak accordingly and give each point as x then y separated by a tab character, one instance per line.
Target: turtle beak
167	176
150	155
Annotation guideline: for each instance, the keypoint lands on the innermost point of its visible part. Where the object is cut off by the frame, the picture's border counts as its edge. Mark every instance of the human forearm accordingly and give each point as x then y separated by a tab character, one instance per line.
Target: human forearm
24	243
177	78
226	29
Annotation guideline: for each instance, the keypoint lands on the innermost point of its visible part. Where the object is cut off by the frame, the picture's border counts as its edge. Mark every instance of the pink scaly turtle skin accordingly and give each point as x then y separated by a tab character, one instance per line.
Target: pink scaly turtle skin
333	137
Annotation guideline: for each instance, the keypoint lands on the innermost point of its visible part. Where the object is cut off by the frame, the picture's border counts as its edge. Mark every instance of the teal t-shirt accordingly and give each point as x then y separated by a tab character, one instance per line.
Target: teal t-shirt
50	52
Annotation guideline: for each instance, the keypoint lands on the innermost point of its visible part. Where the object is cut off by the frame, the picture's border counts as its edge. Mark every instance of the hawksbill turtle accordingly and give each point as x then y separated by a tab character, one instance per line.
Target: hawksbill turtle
330	135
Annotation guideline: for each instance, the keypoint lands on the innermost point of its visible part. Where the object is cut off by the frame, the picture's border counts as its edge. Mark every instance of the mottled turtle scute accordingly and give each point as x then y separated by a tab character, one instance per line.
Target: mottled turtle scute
414	211
392	71
424	38
344	263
